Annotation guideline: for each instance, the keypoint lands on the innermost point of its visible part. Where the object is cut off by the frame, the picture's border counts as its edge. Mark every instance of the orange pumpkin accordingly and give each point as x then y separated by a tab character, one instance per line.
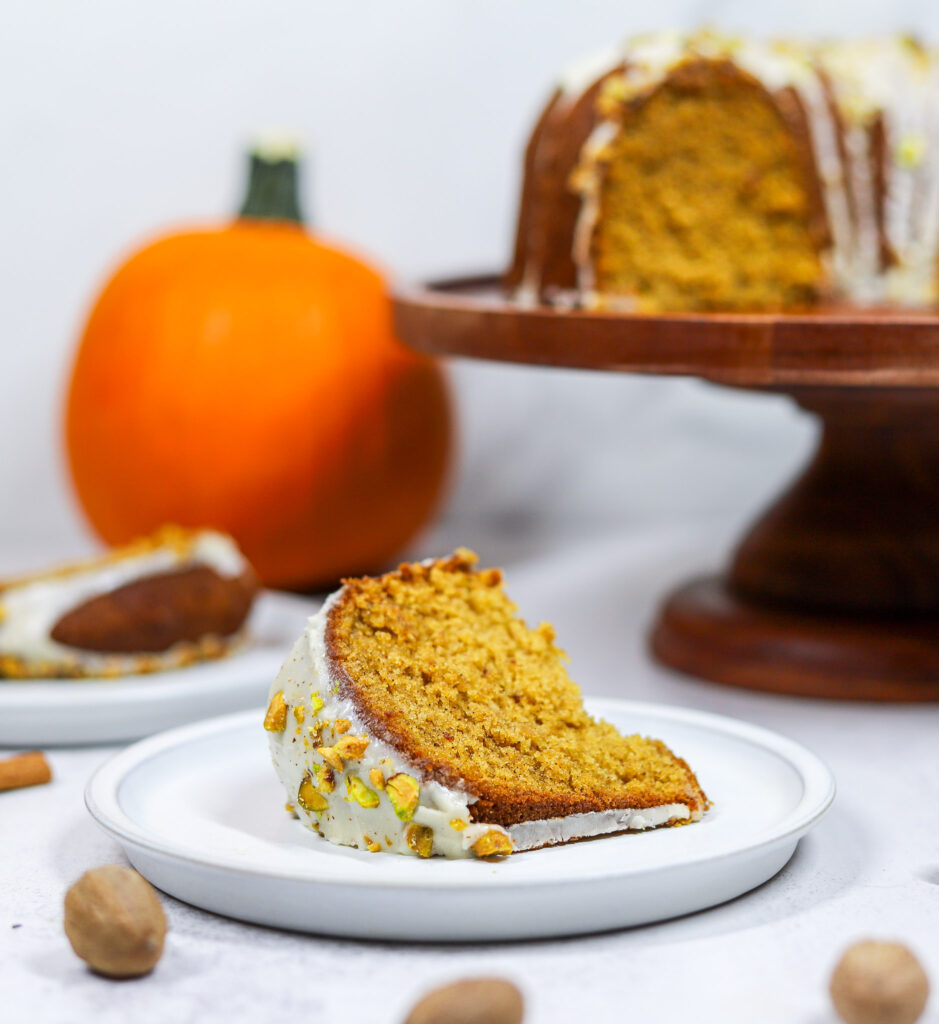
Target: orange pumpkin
246	377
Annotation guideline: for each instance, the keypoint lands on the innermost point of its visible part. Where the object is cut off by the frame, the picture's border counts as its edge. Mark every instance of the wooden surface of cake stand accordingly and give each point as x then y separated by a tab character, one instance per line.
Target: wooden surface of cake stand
834	592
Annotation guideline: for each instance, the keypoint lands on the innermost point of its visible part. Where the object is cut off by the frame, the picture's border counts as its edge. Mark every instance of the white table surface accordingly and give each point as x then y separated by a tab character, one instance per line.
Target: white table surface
870	869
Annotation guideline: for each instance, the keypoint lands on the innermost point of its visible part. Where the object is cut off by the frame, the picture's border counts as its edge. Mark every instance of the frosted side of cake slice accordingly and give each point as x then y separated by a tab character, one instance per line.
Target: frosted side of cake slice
386	753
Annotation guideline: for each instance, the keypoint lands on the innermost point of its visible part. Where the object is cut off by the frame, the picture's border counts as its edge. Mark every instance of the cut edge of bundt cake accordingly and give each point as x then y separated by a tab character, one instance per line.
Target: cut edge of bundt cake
836	201
419	714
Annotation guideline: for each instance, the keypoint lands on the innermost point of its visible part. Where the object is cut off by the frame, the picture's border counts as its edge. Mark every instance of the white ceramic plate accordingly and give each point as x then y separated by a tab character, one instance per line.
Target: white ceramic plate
49	712
200	813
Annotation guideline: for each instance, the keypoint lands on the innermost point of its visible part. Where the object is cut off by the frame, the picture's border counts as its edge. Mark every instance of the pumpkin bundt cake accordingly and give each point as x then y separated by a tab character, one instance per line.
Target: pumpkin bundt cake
161	602
418	714
701	172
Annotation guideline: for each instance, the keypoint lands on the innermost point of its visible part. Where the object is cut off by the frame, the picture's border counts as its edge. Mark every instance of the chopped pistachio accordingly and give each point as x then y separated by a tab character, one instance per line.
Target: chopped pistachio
360	793
373	847
299	712
911	150
377	778
420	839
276	718
327	782
331	756
352	747
342	725
308	798
494	843
316	702
457	823
404	792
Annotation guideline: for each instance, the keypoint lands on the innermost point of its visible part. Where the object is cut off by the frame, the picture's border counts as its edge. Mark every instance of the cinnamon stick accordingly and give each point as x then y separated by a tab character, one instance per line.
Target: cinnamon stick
29	769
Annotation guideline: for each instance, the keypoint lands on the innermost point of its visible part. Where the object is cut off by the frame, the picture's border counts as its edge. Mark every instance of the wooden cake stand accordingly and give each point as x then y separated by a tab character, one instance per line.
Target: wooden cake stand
834	592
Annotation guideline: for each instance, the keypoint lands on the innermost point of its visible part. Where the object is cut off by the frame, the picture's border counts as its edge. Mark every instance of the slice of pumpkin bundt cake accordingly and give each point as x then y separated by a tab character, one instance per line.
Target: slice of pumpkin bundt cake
161	602
418	714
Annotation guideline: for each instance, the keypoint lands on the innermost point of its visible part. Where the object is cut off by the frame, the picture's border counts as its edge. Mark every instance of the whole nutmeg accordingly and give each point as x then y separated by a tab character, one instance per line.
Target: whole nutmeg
115	922
879	983
472	1001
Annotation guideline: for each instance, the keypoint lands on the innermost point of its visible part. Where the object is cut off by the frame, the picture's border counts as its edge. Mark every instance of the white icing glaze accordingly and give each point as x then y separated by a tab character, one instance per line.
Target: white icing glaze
890	79
896	81
30	609
587	181
578	77
306	682
531	834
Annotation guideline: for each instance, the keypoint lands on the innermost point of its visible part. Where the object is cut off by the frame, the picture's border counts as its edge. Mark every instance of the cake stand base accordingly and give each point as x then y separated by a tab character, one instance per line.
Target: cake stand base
706	630
835	590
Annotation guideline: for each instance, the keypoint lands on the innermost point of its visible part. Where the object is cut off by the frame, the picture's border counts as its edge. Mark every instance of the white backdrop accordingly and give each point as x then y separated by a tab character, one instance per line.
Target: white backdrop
123	119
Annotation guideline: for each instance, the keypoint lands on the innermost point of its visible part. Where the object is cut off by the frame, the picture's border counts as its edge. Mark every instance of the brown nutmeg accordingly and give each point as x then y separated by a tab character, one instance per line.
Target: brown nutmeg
879	983
115	922
472	1001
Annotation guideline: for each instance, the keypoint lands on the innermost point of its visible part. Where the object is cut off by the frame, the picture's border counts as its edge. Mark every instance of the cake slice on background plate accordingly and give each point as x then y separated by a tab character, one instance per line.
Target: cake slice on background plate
418	714
161	602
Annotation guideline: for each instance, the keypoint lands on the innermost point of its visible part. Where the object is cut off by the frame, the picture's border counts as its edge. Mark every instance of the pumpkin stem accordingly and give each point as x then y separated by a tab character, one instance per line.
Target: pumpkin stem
273	192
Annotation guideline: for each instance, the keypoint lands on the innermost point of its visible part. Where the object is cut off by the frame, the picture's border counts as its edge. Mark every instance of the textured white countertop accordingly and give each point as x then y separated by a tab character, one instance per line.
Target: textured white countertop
870	869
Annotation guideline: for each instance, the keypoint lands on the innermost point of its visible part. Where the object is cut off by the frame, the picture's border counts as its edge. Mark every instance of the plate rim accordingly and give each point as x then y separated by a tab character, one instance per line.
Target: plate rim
102	800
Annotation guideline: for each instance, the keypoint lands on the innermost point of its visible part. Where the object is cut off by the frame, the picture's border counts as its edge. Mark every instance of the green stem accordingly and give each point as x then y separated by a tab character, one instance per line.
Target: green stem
273	192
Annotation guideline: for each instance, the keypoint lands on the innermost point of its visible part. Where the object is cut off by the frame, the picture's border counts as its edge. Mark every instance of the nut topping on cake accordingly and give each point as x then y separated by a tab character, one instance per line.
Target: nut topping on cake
276	718
308	798
360	793
331	756
351	747
495	843
420	839
404	792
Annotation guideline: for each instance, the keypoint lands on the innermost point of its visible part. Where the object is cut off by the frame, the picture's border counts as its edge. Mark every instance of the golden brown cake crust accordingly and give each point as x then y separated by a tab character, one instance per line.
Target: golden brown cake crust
549	207
154	613
651	774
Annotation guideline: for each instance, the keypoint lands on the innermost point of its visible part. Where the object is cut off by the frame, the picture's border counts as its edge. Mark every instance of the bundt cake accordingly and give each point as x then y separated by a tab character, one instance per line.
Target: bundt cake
164	601
418	714
702	172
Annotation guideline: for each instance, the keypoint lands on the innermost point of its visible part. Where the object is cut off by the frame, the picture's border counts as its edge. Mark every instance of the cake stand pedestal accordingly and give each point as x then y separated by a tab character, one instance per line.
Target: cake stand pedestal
834	592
